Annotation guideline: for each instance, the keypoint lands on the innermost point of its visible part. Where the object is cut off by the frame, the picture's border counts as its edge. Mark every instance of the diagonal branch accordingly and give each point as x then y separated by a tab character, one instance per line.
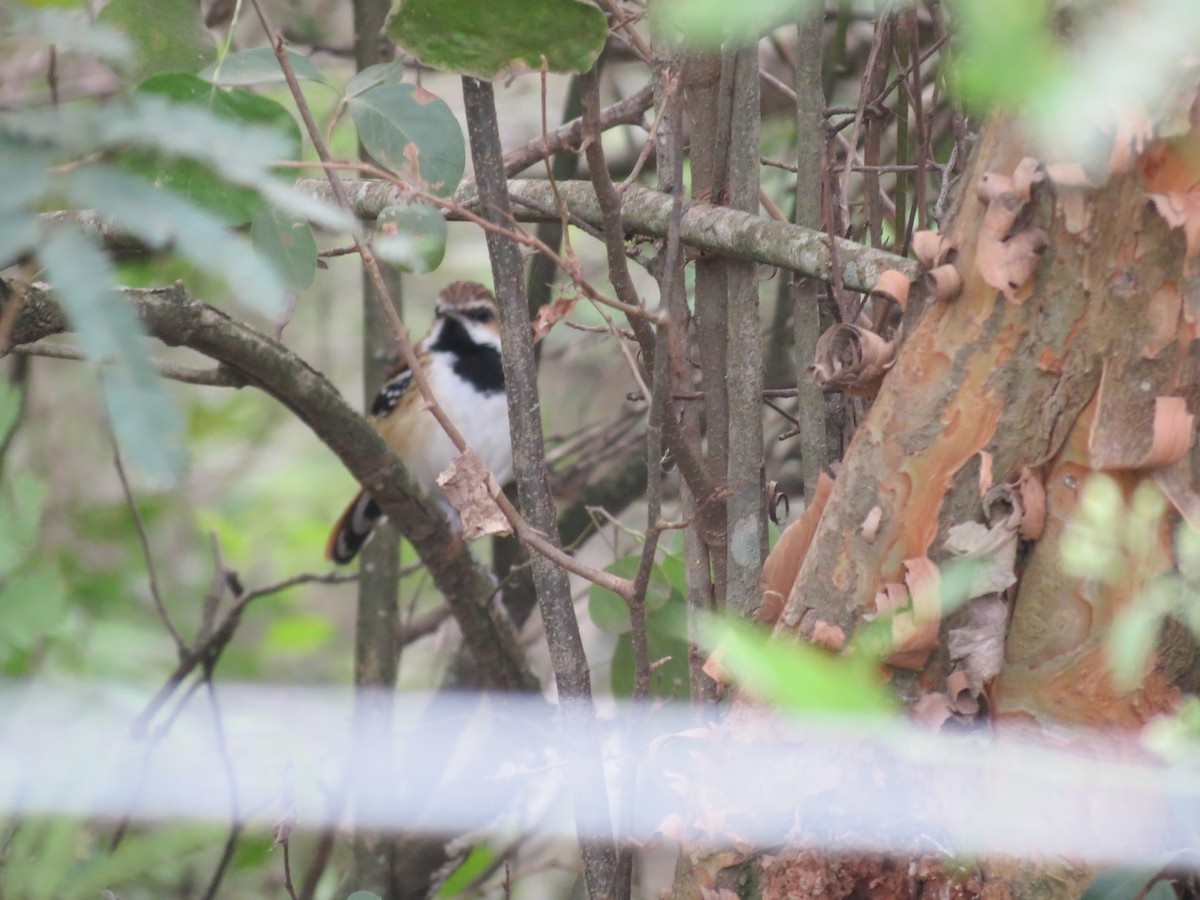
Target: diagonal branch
176	319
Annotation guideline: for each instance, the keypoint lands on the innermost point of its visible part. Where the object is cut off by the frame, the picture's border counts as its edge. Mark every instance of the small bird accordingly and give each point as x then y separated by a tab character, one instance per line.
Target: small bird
461	360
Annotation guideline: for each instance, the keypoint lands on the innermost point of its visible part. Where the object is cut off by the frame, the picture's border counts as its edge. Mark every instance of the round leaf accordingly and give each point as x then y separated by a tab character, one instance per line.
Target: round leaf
384	73
413	133
169	34
412	237
610	612
484	37
289	245
259	66
194	180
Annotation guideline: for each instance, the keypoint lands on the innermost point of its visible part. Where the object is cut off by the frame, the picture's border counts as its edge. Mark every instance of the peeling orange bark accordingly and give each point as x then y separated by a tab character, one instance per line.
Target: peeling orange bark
1015	373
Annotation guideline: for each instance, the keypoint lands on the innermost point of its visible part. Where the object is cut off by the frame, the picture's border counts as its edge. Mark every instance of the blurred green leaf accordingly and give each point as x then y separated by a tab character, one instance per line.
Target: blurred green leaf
479	861
706	24
1009	51
288	243
25	168
413	133
21	500
259	66
411	236
147	425
798	677
31	604
298	634
169	34
162	218
72	31
609	612
666	638
1131	639
196	180
363	895
18	235
483	37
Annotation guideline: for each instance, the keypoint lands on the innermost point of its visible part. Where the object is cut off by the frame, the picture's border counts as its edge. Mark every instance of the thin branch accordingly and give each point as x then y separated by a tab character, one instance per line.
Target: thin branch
151	575
218	377
235	827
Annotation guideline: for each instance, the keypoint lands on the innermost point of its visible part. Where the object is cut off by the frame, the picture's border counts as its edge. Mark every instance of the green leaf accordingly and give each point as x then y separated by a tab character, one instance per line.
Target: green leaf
259	66
72	31
707	23
21	502
31	604
609	612
383	73
798	677
298	635
483	37
25	173
196	179
363	895
160	217
666	637
287	242
18	235
413	133
479	861
411	236
1009	52
147	425
1131	640
169	34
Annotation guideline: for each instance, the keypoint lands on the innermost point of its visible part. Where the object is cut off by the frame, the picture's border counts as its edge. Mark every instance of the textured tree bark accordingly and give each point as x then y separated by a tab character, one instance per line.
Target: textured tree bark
1060	376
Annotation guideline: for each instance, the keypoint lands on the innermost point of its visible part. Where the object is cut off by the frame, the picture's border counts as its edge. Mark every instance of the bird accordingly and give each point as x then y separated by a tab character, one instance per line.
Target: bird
461	360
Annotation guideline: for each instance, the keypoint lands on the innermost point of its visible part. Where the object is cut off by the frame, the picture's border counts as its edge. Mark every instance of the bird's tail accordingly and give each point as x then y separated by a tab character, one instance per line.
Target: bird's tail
353	528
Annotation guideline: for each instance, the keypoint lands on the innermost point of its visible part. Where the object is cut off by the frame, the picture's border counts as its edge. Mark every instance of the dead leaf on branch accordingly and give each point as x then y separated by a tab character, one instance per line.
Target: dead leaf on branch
550	314
465	484
852	359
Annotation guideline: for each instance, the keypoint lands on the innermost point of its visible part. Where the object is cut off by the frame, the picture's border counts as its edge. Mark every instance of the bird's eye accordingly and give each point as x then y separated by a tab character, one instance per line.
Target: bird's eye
479	314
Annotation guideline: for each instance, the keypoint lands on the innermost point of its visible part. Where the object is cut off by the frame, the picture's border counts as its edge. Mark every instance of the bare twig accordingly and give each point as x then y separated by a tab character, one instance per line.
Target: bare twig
235	827
151	575
218	377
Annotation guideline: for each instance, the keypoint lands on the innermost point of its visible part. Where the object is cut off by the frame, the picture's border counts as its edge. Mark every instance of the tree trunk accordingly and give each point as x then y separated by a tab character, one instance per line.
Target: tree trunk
1062	376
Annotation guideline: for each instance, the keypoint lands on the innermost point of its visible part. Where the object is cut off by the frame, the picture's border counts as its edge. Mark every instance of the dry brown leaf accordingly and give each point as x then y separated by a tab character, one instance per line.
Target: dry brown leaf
1181	210
550	314
1174	430
933	248
978	643
945	282
783	563
870	525
852	359
933	710
715	669
893	285
1033	504
465	484
828	635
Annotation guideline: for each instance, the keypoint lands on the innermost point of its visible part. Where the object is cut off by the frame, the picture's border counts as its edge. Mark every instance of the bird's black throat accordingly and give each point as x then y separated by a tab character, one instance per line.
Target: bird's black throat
477	364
